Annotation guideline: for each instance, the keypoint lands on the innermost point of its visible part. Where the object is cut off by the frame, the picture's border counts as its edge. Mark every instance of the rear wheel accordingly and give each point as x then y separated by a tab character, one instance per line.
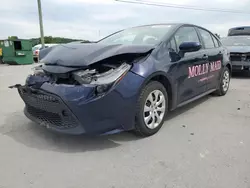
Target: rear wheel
152	108
224	82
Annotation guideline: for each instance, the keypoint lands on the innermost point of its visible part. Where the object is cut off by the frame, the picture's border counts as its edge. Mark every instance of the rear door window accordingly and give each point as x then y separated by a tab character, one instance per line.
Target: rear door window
207	38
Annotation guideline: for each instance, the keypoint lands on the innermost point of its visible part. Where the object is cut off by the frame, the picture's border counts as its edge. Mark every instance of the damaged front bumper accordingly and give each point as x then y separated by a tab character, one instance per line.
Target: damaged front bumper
75	109
49	111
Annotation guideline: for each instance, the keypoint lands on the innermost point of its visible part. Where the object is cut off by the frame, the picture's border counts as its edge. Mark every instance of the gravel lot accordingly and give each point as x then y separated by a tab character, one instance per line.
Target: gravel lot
203	145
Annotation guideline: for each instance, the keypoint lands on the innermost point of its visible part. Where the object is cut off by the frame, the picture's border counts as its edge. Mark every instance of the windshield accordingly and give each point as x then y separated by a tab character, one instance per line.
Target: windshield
236	41
138	35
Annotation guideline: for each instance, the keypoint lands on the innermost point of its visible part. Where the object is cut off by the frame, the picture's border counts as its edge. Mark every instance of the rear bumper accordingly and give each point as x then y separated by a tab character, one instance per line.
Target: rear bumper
240	65
75	110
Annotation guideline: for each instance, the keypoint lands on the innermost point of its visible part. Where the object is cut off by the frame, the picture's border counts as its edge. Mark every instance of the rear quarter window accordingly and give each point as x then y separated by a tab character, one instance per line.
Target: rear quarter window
216	42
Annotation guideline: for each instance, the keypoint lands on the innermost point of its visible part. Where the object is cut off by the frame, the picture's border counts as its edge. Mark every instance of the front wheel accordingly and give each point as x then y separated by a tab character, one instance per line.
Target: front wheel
224	82
152	108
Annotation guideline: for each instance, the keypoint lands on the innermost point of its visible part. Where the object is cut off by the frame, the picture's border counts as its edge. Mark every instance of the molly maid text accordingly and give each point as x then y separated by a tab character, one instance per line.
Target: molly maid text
198	70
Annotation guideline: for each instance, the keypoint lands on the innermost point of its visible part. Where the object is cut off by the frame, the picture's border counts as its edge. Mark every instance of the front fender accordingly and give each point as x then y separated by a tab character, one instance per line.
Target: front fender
150	69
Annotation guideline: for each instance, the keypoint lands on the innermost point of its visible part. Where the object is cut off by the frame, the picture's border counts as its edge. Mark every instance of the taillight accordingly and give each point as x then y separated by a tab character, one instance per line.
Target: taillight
36	52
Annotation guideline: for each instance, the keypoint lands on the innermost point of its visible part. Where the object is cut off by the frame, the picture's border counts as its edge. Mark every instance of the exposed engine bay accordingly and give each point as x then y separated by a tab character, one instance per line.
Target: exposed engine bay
107	71
101	66
101	74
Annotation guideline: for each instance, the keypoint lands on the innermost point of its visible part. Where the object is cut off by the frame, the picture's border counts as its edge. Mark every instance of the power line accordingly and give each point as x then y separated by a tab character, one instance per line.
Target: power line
159	4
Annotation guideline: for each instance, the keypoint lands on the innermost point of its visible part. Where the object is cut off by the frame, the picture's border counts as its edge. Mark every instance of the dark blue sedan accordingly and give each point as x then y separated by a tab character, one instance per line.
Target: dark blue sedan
129	80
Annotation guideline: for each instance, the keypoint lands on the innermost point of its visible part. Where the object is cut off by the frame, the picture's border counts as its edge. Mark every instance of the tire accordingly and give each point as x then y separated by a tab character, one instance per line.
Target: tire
221	91
155	110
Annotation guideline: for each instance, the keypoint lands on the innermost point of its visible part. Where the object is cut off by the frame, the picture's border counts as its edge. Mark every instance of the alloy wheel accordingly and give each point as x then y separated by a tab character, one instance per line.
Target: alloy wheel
154	109
225	81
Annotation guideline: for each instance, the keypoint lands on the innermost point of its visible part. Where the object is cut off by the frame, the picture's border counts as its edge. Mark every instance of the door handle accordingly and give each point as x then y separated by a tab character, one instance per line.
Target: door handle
205	57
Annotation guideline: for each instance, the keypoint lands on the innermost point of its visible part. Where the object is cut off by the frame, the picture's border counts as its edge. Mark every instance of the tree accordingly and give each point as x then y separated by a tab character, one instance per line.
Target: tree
48	39
12	37
57	40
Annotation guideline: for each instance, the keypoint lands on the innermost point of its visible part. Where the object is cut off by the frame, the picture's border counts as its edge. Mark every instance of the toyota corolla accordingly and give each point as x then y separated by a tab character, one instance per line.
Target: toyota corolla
129	80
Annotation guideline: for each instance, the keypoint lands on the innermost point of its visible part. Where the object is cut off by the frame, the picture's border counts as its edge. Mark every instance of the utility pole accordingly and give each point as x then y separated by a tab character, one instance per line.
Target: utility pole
40	21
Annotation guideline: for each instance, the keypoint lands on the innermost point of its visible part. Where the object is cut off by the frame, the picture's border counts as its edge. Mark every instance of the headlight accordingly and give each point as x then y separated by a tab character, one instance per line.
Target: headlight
111	76
102	81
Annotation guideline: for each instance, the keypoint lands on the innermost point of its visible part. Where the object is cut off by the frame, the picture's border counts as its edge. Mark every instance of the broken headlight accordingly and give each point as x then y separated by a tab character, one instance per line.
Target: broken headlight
102	81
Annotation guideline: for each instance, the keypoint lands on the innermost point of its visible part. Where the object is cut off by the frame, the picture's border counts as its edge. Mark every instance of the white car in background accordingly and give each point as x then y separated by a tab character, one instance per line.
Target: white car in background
36	49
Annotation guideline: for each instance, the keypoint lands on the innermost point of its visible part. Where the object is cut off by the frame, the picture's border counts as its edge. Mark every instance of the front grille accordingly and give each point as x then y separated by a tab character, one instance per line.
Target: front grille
45	117
46	98
47	109
240	56
235	57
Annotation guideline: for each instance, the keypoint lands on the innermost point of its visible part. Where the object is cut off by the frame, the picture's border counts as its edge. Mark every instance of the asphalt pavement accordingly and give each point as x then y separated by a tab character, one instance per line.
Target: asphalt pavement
203	145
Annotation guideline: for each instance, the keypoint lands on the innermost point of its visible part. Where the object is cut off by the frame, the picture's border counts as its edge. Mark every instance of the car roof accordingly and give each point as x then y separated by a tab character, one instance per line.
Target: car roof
236	36
158	24
176	25
170	23
239	27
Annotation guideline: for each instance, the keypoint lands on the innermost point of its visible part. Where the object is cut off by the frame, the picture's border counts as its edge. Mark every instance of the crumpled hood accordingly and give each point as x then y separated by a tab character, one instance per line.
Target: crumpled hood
238	49
83	55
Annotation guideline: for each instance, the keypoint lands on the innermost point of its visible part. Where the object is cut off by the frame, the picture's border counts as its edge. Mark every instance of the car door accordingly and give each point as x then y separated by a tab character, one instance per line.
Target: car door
214	51
190	68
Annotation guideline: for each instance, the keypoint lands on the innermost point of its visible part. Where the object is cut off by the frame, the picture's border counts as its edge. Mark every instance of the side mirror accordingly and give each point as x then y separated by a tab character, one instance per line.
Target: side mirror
189	47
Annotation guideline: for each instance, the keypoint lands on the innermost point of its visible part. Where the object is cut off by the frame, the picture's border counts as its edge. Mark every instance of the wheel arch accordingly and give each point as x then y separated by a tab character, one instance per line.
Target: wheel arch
166	82
229	66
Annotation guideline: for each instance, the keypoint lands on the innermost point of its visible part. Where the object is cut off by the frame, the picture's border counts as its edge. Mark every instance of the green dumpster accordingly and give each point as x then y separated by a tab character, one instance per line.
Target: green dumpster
1	55
16	52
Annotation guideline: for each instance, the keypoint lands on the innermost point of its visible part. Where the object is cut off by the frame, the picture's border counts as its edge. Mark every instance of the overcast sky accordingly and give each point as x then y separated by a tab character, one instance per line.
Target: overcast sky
92	19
